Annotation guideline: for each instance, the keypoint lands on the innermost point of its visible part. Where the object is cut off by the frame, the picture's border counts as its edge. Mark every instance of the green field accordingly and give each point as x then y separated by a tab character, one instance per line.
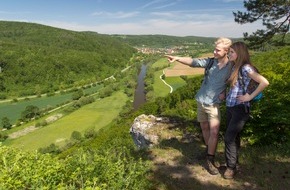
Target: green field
161	63
13	110
161	89
97	115
175	82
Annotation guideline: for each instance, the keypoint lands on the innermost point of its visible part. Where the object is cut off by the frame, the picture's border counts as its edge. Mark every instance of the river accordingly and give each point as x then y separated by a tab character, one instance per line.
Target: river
140	96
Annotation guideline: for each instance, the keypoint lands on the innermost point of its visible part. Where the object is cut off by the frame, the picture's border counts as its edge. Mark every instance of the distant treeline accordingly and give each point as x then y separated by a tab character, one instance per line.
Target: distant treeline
161	41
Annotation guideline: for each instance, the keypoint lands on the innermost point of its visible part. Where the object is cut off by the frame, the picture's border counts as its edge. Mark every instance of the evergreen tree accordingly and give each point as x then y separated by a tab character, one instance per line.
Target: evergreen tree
275	16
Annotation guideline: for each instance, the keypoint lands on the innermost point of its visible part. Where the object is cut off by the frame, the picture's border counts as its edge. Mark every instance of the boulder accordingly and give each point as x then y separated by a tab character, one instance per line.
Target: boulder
146	130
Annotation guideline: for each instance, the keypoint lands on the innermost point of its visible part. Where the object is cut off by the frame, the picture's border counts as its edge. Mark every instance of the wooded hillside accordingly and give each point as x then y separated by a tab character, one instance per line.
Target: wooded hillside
161	41
37	59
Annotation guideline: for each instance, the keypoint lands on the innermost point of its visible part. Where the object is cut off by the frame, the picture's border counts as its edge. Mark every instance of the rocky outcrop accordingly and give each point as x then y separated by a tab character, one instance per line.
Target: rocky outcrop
148	130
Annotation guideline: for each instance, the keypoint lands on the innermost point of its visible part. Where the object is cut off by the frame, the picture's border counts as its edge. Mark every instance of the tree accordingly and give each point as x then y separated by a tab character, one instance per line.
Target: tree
275	16
30	112
6	123
76	135
77	95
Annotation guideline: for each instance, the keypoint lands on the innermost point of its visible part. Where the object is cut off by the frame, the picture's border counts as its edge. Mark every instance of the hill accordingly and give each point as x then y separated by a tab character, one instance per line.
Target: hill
161	41
37	59
109	159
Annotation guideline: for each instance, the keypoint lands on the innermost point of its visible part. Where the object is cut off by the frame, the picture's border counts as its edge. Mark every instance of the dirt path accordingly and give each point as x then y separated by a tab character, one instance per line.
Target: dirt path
171	89
30	129
22	132
179	164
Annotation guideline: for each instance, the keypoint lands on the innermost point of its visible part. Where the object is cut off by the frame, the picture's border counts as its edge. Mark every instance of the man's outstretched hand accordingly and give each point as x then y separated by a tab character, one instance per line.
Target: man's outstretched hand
171	58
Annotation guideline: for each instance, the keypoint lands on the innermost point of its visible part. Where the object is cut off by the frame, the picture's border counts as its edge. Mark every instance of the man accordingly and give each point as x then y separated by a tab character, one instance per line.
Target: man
210	95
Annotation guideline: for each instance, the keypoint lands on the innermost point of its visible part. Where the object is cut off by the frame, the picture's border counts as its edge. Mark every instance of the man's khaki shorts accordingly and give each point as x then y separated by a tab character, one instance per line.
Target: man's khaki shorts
208	112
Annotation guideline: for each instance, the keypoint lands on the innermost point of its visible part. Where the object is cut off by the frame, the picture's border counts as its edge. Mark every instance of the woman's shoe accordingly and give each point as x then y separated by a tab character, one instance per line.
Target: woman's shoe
229	173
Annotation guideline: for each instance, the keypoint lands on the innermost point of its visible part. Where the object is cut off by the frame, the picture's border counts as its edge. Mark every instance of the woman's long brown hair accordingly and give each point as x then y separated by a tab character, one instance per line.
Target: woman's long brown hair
243	57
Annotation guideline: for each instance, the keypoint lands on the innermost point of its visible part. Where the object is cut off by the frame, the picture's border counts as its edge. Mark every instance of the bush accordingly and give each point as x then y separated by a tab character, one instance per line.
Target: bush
108	169
2	96
3	137
76	135
90	133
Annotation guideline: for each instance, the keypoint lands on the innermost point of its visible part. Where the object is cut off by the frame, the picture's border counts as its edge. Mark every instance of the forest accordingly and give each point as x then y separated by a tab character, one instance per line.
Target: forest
37	59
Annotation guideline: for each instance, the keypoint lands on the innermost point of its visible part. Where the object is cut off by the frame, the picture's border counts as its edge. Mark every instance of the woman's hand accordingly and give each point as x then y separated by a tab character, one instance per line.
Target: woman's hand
244	98
222	96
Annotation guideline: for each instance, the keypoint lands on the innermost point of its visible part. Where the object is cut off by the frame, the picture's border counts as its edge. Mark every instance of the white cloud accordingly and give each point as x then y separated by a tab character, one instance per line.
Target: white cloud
209	29
119	14
153	3
165	6
176	23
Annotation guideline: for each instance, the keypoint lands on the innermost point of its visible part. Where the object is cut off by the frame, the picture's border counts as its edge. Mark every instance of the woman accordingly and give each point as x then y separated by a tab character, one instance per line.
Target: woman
237	101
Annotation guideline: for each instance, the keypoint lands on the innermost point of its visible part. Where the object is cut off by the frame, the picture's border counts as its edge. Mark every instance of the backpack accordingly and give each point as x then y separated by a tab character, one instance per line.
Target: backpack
207	68
251	87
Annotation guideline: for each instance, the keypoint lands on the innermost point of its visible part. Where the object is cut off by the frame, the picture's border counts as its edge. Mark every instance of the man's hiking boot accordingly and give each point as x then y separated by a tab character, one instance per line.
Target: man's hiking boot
212	167
229	173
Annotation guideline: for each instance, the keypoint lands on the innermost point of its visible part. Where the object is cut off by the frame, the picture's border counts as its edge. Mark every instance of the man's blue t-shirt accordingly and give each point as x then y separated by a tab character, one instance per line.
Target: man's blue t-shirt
214	83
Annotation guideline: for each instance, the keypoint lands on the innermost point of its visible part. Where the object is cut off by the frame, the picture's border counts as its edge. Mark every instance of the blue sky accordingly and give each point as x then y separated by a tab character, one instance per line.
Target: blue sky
209	18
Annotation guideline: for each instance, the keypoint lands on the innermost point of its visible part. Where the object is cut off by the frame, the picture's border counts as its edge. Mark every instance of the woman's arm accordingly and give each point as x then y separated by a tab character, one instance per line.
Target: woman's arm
263	83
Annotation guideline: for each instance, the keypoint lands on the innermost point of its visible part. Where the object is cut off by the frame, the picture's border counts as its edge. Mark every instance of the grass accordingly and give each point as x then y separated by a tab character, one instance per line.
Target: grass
97	115
13	110
178	162
161	63
160	89
175	82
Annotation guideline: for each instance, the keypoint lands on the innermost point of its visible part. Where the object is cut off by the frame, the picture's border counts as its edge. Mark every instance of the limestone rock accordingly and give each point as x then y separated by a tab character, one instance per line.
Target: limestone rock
145	130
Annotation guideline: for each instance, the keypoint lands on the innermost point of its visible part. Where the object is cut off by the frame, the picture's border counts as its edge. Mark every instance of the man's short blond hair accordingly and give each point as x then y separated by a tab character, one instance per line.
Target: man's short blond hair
224	42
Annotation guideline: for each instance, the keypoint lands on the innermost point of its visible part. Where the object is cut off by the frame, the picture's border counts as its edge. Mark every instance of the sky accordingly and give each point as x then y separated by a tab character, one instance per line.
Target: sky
207	18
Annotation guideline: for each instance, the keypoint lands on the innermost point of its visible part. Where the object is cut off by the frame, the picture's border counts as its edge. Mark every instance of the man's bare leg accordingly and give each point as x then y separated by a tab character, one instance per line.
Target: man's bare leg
213	136
205	131
212	145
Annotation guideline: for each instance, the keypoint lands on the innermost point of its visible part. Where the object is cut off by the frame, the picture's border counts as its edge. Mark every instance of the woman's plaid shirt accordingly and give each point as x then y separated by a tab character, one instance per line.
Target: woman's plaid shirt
237	89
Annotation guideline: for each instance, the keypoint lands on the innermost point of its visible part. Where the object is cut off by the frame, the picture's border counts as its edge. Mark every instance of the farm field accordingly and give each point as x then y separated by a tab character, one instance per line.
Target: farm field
13	110
95	115
172	76
178	69
161	63
160	89
175	82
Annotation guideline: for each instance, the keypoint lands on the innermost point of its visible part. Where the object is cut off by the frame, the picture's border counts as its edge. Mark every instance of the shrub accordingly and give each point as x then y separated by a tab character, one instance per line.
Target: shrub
76	135
107	169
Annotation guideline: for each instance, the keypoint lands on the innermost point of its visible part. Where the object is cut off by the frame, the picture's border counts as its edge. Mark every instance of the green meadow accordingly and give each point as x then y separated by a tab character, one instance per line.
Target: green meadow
175	82
95	115
161	89
13	110
162	63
